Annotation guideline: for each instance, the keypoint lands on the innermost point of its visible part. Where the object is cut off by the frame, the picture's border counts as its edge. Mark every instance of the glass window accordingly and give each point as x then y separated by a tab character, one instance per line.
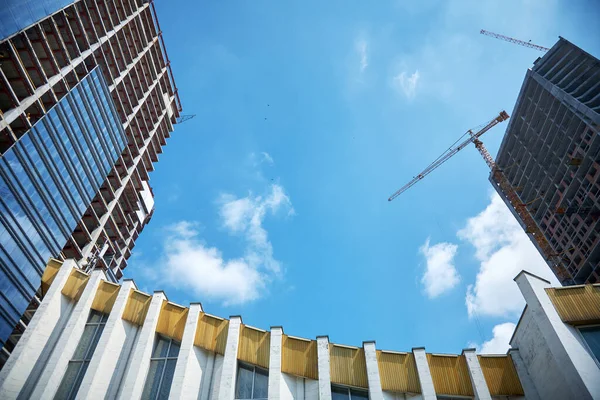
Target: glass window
162	368
81	358
345	393
252	383
591	335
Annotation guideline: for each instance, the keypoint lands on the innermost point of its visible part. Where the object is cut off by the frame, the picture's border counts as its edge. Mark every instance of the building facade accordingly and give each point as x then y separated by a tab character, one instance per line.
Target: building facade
92	338
87	100
550	156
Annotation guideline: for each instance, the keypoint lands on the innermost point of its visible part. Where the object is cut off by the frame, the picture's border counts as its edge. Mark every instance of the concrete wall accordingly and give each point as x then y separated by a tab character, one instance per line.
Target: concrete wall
553	352
539	361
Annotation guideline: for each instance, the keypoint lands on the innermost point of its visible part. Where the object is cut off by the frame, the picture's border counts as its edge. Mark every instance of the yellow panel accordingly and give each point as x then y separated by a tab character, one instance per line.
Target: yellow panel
398	372
450	375
50	273
501	376
137	307
578	305
299	357
255	346
75	284
348	366
211	333
105	297
171	321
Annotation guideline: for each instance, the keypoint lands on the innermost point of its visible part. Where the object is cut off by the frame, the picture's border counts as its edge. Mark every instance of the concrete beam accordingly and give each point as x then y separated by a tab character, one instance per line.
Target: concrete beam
188	372
324	368
229	369
375	392
54	370
480	388
425	380
275	377
529	388
139	361
43	331
112	342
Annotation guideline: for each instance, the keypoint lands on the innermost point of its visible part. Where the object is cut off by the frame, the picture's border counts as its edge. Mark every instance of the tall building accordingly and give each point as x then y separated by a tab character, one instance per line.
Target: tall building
87	100
92	338
550	156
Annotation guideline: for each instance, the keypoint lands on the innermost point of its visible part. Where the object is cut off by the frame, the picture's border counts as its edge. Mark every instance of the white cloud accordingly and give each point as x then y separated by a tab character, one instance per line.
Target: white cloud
503	250
499	343
362	46
440	274
262	157
245	216
190	264
407	84
267	158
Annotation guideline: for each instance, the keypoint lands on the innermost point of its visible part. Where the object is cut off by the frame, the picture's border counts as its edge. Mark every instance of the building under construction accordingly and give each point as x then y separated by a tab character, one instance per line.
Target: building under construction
550	155
87	101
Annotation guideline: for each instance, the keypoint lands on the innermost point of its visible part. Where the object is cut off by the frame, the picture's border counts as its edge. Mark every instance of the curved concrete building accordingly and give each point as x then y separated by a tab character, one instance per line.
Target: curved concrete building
92	338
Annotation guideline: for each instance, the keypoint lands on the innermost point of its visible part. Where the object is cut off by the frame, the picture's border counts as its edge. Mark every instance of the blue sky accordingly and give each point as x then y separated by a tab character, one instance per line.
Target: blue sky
272	202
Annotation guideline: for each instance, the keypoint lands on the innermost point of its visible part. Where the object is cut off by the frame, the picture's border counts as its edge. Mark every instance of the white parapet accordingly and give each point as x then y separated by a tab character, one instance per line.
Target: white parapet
375	392
323	366
480	388
43	331
188	373
425	380
139	362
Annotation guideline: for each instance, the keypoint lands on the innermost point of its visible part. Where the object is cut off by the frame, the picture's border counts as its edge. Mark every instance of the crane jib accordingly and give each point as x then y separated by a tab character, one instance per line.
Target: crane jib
473	138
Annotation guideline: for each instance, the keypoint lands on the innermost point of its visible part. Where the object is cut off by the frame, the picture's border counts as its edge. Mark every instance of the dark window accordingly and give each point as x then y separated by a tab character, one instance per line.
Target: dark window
344	393
591	335
81	358
252	383
162	368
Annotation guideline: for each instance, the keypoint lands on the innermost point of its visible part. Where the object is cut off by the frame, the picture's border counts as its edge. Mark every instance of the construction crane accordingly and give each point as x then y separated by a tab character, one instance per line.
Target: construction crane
513	40
184	118
531	227
452	150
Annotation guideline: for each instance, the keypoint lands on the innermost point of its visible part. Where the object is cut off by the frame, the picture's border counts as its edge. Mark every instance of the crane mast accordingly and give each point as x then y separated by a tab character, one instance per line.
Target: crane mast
513	40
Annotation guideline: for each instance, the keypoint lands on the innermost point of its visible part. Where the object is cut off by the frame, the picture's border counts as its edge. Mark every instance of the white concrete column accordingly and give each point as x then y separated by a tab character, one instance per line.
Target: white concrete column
375	392
100	371
49	318
425	380
139	361
564	341
480	388
323	368
63	351
275	377
229	369
529	388
188	372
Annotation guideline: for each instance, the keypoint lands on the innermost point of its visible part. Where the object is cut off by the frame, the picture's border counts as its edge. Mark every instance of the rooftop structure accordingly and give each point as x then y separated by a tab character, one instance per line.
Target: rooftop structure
87	100
94	338
550	155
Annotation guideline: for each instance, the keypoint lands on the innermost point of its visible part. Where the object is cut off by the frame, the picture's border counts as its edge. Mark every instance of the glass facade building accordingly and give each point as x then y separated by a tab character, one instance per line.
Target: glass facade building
19	14
47	180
